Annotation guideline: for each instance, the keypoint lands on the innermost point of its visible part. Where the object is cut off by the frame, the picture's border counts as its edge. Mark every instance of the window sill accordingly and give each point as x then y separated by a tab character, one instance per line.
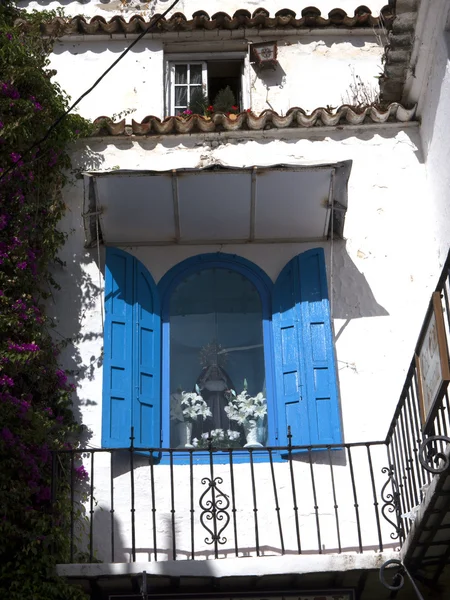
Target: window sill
220	457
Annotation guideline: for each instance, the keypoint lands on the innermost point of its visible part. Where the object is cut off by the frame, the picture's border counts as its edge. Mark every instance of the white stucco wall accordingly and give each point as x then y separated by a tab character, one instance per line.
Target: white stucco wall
312	72
433	96
135	84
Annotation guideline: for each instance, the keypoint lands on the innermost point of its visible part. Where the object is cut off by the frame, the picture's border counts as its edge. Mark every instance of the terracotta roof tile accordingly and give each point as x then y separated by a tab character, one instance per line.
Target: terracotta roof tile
268	119
310	18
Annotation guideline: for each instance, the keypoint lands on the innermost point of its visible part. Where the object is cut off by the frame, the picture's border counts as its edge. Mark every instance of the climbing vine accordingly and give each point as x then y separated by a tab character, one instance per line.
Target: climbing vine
35	392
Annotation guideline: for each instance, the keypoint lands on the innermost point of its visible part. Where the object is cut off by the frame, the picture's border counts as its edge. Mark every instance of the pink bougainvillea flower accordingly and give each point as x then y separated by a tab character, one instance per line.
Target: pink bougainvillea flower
5	380
62	377
81	473
6	435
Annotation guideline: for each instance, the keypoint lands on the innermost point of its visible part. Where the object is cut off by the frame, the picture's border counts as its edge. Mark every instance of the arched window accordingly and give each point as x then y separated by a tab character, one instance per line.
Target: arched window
218	349
217	373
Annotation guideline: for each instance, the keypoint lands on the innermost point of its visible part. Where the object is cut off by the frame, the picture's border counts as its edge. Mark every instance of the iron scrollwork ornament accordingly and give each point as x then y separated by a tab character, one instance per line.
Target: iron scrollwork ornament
429	454
398	579
214	510
392	504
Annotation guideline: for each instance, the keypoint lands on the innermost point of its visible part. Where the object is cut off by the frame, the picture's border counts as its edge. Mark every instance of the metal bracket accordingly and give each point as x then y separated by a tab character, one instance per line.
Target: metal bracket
335	205
144	588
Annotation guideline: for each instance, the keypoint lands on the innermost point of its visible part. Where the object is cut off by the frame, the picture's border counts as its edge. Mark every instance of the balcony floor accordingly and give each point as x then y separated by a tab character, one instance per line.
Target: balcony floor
234	578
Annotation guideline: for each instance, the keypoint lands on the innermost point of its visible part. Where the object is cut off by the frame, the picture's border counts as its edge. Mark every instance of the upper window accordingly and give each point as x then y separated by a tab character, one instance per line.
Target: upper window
217	350
191	78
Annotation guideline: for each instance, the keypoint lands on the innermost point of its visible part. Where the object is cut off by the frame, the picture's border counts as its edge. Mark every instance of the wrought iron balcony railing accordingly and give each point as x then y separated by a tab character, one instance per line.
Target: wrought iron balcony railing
314	500
416	441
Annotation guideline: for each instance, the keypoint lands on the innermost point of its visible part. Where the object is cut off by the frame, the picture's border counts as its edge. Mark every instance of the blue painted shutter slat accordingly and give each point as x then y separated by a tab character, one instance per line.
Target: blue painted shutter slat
147	363
320	368
118	343
291	406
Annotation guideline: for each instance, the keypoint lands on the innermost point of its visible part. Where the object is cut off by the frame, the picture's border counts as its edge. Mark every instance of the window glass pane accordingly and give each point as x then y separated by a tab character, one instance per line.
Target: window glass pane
196	74
181	74
181	96
216	351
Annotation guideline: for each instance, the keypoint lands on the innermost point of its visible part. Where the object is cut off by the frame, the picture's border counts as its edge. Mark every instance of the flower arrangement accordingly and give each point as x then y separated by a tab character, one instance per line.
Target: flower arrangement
244	408
188	406
220	438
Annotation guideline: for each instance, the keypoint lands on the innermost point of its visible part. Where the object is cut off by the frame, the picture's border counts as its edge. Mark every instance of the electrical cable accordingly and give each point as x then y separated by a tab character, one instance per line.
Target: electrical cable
87	92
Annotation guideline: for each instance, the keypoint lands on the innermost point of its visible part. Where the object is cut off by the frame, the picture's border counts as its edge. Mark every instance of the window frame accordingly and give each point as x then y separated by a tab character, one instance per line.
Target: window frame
172	59
173	85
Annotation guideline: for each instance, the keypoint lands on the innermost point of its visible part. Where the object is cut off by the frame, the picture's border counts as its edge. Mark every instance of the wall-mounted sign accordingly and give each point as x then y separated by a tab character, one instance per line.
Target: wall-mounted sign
432	360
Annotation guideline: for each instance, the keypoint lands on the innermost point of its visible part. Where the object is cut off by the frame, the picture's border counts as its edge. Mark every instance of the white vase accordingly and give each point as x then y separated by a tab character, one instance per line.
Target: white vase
185	434
251	431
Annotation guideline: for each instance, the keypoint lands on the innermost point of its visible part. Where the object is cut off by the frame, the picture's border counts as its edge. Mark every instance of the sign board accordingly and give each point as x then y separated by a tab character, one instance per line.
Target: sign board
432	361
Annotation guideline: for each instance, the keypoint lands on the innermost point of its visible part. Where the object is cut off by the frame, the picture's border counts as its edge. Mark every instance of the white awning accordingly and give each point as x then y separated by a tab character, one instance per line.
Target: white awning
217	205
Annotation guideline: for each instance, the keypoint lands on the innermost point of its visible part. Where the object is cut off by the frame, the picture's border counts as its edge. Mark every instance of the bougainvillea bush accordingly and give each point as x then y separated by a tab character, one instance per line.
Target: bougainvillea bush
35	393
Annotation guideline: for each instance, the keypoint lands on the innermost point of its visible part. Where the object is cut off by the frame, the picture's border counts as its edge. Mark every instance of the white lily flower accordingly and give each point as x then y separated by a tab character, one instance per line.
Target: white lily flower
260	411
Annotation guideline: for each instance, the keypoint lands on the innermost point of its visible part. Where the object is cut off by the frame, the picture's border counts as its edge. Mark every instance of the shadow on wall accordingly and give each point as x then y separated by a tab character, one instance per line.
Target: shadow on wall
124	6
270	77
25	3
168	143
352	295
80	293
99	47
108	540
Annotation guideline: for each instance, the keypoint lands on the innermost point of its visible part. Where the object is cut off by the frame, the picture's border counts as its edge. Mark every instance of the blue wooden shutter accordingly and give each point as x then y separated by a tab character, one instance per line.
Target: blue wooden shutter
147	361
132	344
291	404
318	348
305	365
118	344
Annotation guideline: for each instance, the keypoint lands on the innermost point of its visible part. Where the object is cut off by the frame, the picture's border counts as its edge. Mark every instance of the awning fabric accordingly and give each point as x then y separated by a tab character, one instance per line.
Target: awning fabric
281	203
